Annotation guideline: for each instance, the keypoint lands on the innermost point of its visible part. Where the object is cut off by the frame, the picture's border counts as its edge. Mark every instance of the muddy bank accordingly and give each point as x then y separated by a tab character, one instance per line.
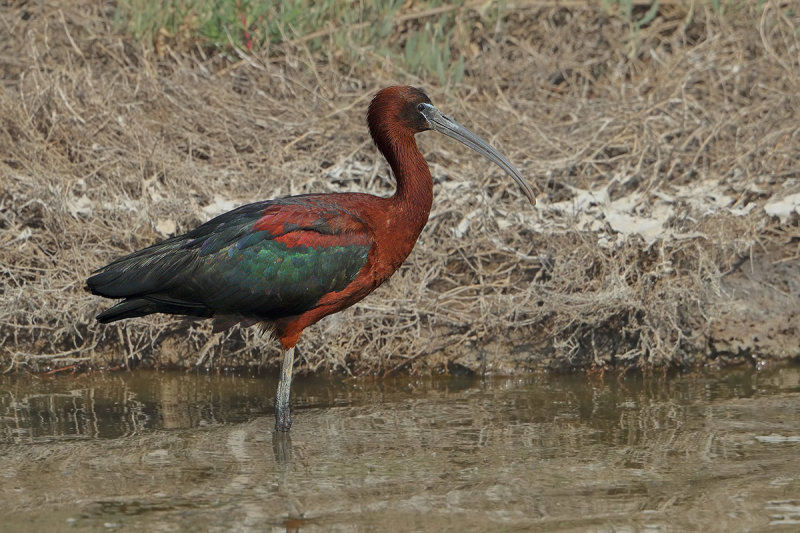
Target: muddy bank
665	160
758	311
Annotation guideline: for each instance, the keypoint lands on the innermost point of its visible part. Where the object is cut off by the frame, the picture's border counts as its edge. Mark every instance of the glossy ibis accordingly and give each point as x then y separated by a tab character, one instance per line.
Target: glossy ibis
286	263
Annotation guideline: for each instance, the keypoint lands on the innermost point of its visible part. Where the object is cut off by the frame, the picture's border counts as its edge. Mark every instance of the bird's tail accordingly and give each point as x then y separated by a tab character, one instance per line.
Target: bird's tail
147	305
131	308
145	291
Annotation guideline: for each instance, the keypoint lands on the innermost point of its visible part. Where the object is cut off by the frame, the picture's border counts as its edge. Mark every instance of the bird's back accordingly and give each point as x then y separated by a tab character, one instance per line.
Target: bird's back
265	260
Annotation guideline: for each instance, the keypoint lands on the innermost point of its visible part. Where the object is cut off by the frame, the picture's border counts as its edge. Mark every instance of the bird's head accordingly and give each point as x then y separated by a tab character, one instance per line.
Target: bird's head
397	113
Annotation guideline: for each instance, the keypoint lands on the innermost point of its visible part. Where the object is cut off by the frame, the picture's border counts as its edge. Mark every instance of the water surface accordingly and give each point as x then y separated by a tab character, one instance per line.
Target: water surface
147	451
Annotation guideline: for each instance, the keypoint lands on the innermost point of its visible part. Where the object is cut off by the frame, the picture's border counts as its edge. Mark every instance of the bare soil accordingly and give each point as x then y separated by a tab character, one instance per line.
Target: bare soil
667	230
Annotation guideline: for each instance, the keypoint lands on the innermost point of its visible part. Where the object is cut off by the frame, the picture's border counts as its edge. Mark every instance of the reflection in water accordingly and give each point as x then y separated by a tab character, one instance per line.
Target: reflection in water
282	447
549	452
110	406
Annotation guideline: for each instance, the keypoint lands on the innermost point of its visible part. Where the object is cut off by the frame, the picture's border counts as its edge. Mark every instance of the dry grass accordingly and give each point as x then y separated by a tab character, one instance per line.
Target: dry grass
688	126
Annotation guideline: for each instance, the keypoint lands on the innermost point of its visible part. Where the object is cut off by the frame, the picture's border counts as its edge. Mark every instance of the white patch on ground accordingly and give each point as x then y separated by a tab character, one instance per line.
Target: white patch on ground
166	227
80	207
783	208
648	215
220	205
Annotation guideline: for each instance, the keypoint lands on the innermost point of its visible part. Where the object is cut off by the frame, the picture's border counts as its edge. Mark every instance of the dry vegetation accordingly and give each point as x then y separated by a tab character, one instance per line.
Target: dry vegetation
666	159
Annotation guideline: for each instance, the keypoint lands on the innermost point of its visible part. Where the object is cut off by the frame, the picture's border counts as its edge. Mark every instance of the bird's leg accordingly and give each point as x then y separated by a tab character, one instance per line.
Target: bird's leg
283	419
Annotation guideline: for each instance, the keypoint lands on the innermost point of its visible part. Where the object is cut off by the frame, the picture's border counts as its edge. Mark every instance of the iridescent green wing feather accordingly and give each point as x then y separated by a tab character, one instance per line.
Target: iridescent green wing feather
266	260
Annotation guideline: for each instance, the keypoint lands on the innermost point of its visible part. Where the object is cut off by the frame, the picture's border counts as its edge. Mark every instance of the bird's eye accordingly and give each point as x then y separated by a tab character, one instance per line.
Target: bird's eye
420	107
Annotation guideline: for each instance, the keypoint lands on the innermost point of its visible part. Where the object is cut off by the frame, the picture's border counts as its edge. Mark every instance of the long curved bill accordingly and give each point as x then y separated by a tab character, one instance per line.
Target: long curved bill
451	128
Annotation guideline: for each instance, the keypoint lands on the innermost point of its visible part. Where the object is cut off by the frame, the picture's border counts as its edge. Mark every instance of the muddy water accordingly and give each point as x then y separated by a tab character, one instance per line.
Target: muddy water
165	452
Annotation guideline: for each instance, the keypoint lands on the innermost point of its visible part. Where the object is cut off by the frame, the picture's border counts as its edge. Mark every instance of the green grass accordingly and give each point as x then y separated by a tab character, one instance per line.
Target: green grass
427	41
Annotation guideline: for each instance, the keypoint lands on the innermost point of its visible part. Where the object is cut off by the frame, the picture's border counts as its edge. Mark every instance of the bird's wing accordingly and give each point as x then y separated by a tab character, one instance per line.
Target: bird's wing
269	259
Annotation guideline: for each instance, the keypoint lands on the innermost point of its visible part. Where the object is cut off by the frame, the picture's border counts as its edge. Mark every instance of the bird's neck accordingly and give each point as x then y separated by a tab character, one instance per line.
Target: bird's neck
411	203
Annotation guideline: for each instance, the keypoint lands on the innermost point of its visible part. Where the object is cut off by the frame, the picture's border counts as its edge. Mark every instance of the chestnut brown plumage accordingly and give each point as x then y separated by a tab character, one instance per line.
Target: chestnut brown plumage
289	262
